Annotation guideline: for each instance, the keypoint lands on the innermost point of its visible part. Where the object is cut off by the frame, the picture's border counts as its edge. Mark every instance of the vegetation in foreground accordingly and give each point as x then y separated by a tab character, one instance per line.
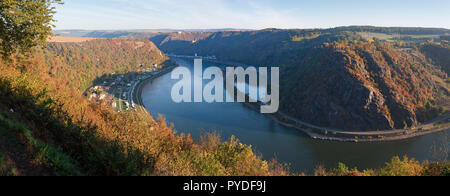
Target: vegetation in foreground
396	167
62	133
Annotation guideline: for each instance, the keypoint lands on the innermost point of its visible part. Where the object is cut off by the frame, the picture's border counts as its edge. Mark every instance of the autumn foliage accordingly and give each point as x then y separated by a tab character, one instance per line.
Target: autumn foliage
46	100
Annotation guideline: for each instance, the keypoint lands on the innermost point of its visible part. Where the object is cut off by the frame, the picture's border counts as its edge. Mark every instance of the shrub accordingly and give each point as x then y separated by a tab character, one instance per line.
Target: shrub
405	167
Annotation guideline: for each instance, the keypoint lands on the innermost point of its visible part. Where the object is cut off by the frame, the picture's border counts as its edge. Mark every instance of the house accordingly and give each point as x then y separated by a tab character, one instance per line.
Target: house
102	96
93	95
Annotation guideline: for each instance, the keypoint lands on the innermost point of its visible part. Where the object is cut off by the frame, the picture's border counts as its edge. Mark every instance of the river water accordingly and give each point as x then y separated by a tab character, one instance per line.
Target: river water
271	139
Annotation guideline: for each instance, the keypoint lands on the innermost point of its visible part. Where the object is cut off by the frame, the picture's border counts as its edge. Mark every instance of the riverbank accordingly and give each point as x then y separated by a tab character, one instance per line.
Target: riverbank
137	89
440	124
119	90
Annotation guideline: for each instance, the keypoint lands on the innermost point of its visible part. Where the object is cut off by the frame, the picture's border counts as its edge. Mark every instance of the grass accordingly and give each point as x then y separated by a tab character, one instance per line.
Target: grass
46	154
5	168
389	37
124	105
396	167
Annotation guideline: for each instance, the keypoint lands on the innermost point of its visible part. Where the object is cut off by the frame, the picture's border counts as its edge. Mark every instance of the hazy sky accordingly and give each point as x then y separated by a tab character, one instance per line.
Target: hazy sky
249	14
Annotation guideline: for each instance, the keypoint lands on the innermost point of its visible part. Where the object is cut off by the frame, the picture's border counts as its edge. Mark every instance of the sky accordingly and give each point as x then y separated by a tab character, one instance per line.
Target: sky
249	14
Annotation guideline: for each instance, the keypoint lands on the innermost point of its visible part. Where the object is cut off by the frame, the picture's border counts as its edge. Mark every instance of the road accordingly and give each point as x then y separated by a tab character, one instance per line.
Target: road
365	136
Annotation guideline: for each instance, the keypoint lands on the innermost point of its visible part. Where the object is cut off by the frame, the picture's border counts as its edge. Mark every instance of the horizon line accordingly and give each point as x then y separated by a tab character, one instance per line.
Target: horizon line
242	29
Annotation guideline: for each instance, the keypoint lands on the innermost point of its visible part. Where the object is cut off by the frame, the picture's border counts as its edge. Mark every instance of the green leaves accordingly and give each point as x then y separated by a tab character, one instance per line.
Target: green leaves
25	24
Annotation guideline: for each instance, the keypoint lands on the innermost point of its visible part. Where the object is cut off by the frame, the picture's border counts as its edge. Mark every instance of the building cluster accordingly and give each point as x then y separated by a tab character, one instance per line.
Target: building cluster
117	90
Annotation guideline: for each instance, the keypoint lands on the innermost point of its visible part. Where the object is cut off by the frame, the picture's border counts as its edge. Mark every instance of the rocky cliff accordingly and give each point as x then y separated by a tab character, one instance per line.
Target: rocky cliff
363	86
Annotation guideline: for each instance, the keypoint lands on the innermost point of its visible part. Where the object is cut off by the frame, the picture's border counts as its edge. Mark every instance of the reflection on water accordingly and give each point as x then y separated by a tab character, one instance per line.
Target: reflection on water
248	88
270	138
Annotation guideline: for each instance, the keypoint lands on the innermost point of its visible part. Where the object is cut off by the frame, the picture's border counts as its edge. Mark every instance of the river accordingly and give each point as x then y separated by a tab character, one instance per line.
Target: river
272	139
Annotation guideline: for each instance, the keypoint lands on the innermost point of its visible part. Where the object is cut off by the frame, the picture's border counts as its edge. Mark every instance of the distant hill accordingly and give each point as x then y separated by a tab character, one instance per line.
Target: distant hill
392	30
61	39
132	33
108	34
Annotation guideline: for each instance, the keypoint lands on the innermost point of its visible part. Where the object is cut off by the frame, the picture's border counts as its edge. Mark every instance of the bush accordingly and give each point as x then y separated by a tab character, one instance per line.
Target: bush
5	168
446	169
405	167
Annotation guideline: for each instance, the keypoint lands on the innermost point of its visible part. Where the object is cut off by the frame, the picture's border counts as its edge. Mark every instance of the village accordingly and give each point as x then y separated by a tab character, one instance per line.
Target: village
118	89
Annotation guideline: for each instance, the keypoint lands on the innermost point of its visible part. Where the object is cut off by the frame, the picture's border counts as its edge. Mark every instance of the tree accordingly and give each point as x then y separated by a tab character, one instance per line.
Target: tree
25	24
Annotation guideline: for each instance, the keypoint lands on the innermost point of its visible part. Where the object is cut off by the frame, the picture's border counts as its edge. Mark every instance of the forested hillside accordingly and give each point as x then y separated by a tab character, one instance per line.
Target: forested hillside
438	54
81	63
347	78
364	86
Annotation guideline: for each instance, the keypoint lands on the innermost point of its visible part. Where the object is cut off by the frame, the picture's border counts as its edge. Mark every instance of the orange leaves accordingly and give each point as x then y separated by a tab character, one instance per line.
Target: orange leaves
82	63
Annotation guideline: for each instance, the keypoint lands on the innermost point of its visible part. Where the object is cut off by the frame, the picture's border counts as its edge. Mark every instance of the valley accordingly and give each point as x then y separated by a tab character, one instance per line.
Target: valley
126	78
338	79
246	90
432	126
272	138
